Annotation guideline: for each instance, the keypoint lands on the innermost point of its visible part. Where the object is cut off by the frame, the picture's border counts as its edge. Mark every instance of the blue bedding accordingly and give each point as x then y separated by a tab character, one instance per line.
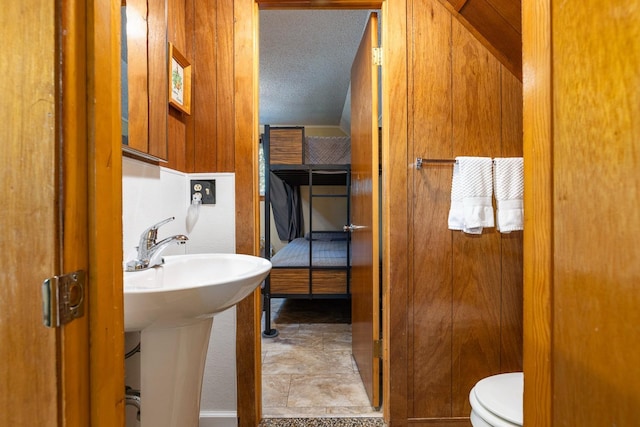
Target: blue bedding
325	254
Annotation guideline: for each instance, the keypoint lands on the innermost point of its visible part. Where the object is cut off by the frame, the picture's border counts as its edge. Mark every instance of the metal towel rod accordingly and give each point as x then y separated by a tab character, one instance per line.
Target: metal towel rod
420	161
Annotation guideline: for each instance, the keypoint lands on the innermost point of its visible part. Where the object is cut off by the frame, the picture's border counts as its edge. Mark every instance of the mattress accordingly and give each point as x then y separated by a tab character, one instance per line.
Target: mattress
325	254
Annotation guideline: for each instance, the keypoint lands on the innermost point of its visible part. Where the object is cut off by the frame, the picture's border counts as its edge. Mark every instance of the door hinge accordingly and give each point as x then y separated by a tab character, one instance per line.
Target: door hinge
63	298
377	56
377	349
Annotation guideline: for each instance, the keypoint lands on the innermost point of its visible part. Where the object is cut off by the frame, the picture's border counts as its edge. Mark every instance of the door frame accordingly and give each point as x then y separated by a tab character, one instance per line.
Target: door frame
394	229
101	66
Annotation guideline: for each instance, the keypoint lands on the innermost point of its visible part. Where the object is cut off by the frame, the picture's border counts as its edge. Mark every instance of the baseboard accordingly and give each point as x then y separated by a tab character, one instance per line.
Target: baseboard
218	419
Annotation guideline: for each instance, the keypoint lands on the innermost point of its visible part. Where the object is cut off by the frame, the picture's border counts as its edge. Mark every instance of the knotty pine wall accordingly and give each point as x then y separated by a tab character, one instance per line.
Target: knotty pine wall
465	292
204	140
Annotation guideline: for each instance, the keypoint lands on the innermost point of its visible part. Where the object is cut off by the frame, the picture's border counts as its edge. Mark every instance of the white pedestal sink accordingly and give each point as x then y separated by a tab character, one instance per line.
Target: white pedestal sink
173	305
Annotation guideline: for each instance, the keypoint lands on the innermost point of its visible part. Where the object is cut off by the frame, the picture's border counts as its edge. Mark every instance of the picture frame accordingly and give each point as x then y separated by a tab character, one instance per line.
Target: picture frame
179	80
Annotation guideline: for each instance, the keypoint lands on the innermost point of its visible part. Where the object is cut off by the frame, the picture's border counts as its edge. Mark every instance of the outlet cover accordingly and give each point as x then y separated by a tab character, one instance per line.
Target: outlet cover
206	188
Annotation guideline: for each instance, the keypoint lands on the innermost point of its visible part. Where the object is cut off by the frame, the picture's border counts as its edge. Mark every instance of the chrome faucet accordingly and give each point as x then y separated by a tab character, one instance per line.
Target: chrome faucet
149	249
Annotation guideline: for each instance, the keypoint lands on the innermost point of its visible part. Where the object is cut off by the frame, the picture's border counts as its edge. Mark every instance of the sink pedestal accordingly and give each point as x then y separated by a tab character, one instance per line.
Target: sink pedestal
171	368
173	305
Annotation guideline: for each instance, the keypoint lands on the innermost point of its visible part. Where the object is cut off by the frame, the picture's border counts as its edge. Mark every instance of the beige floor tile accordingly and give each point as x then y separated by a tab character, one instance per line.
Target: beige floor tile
308	370
294	338
275	390
336	341
326	390
307	362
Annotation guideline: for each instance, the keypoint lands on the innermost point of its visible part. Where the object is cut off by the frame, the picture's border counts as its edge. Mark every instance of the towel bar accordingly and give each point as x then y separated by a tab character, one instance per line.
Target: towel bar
420	161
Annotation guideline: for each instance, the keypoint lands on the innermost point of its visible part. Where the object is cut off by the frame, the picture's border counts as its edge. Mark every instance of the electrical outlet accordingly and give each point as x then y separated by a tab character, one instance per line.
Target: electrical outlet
206	188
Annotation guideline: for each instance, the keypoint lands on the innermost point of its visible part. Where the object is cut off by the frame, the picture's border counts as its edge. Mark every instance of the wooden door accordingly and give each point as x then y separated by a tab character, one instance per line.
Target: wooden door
44	372
57	152
364	197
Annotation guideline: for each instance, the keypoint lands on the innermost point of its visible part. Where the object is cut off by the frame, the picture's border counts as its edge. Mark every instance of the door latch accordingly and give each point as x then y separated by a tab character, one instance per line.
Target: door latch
63	298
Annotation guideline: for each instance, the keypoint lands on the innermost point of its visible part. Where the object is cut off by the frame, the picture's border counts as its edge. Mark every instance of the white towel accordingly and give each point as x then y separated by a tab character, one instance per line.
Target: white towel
476	180
456	211
509	191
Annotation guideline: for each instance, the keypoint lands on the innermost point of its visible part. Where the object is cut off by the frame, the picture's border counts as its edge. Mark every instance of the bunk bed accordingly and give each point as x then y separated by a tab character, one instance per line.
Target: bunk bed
315	264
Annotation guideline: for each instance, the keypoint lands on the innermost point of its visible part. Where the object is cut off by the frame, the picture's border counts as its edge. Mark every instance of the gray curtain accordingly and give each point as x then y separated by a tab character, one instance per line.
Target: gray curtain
287	208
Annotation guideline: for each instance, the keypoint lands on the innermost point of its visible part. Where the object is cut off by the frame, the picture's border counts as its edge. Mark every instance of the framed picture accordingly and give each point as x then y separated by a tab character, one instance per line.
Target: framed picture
179	81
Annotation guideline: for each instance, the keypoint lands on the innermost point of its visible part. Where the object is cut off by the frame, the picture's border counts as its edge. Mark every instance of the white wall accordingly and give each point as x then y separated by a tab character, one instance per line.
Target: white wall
151	194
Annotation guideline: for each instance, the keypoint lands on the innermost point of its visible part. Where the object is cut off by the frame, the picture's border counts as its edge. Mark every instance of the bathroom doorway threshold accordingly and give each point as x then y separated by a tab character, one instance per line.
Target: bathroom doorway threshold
323	422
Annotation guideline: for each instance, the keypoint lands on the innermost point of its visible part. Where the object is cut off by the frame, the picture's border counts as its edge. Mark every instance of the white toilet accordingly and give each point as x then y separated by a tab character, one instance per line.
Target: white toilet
496	401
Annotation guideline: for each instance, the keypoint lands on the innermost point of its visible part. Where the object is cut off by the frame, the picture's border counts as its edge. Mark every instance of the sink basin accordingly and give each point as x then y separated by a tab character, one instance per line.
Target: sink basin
188	287
173	306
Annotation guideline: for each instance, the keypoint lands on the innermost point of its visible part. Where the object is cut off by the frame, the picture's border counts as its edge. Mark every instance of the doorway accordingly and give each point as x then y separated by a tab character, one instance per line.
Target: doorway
305	366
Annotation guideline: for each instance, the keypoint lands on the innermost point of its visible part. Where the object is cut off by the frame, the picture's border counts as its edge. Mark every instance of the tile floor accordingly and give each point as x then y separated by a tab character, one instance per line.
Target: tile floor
307	370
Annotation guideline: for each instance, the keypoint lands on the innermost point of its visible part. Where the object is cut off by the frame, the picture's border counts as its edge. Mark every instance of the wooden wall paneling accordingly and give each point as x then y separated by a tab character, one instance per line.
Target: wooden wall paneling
596	221
510	10
177	121
158	78
176	28
512	254
190	17
245	113
502	56
177	138
137	75
430	335
476	259
225	158
511	302
395	209
497	30
189	120
538	205
511	100
457	4
203	142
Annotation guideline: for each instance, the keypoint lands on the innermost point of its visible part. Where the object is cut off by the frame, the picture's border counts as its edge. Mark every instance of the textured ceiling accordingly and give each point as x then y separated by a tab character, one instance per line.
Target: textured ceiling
305	64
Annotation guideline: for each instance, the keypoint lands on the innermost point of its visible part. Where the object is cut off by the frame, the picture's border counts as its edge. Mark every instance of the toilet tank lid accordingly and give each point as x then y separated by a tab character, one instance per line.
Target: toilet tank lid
502	395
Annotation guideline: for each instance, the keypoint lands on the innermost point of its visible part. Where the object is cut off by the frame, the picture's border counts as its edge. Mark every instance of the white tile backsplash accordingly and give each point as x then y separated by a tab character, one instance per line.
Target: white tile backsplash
215	229
149	195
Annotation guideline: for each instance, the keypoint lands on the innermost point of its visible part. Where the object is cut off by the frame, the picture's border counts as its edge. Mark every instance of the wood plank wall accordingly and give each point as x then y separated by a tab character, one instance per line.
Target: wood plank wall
497	24
595	103
203	140
465	293
179	123
158	78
